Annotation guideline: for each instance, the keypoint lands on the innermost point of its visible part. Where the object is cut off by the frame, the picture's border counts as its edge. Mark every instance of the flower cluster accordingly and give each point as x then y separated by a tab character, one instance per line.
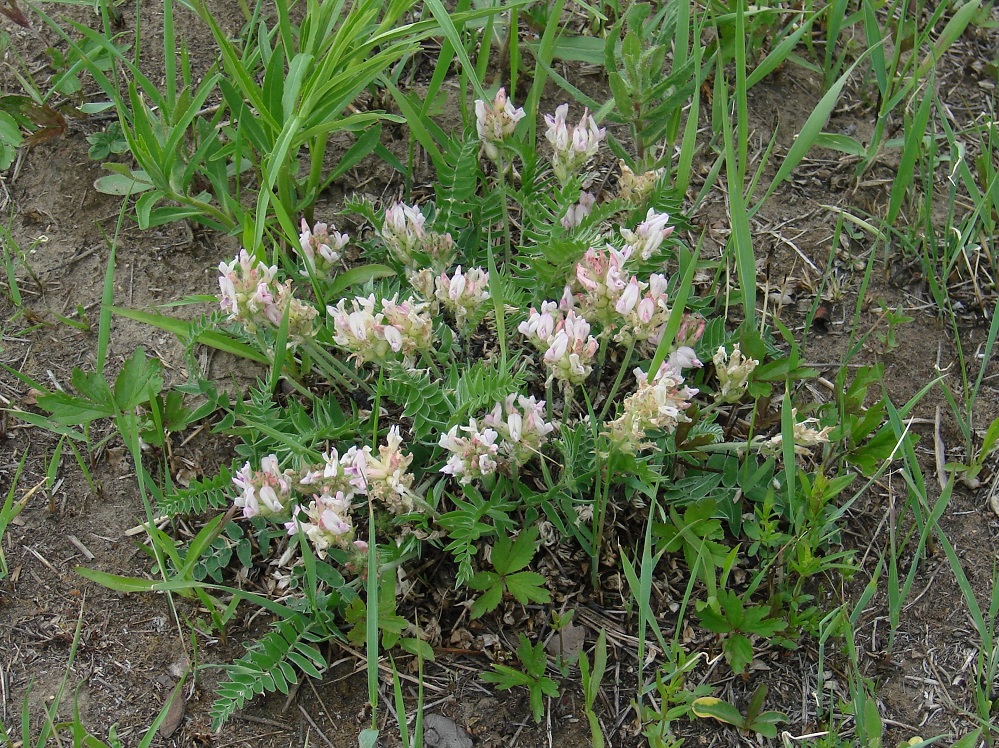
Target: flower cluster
265	492
333	485
403	231
405	235
321	248
733	374
520	423
637	188
600	279
659	404
463	294
326	523
805	437
401	327
252	296
573	145
576	213
649	234
473	455
359	472
495	122
512	433
568	347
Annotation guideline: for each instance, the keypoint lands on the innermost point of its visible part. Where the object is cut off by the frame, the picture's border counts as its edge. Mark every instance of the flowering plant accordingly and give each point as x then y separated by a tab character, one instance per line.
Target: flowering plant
423	415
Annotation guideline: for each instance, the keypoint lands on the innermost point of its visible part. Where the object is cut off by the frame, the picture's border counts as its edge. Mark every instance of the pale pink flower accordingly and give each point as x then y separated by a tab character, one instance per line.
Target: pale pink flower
321	248
327	522
463	293
573	145
472	456
576	213
386	478
251	295
539	327
495	122
403	231
398	328
520	423
805	437
602	279
265	492
649	235
571	350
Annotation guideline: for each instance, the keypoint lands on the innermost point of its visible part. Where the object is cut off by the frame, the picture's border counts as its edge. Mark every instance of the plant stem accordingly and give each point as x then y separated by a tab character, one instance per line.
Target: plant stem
501	180
617	381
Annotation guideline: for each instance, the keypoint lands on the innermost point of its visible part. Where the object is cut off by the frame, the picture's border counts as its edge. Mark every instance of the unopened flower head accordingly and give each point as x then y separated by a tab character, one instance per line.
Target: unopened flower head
733	374
406	236
660	404
573	145
495	122
399	330
327	522
463	293
322	248
691	330
576	213
805	437
637	188
423	282
252	296
265	492
649	235
473	455
520	423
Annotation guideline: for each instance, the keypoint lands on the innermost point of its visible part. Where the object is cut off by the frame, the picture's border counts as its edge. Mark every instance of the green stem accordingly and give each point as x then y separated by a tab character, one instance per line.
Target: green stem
508	242
617	380
599	499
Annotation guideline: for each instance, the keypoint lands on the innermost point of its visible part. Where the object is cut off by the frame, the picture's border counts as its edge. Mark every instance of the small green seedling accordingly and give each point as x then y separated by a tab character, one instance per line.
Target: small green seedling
509	557
591	686
534	662
108	141
732	617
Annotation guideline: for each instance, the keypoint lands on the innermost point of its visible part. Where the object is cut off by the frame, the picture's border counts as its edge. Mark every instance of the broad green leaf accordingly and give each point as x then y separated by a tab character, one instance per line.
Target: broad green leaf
738	652
527	586
489	600
715	708
138	381
359	276
122	185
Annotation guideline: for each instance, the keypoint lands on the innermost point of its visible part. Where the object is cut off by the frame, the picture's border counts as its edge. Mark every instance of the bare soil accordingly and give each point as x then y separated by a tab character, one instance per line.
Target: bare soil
130	651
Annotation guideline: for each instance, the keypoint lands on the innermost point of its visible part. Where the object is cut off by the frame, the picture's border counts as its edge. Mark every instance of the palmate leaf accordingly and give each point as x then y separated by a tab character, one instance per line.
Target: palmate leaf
270	664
